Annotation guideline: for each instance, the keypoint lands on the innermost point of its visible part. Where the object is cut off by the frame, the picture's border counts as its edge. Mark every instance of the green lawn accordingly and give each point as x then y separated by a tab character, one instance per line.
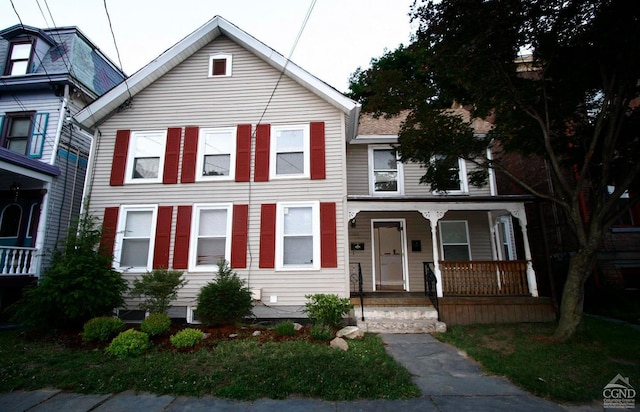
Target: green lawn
573	372
243	369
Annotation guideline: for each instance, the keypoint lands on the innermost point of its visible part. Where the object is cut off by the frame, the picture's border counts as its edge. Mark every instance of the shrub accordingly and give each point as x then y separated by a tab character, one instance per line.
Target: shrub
159	287
128	343
102	329
321	331
224	301
156	324
186	338
327	309
285	328
78	285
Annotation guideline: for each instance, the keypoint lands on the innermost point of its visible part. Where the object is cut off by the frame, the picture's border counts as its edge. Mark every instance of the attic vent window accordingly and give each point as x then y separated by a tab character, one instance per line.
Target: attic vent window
220	65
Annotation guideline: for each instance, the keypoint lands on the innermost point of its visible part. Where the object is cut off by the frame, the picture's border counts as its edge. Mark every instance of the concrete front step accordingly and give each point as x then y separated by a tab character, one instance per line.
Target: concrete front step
397	312
399	319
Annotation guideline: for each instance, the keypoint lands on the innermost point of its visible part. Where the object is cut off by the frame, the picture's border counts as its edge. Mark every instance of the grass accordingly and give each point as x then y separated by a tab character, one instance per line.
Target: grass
576	371
243	369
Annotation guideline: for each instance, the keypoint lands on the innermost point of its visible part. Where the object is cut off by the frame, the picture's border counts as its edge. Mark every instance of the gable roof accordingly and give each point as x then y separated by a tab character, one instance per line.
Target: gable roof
102	108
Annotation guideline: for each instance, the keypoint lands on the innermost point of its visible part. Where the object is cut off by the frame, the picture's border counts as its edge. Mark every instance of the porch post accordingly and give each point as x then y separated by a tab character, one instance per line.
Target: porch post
519	213
434	216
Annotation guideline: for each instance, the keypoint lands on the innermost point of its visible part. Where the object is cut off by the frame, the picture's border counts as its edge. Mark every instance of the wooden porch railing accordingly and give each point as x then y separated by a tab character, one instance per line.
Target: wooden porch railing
484	278
17	260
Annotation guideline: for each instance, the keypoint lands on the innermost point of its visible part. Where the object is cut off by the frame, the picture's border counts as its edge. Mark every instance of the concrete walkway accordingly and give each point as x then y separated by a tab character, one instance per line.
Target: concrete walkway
448	381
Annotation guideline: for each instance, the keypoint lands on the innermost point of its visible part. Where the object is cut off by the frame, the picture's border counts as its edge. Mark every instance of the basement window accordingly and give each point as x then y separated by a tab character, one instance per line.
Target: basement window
220	65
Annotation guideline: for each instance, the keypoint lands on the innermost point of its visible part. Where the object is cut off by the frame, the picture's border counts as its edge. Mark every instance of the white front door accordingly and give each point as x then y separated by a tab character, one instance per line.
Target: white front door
389	255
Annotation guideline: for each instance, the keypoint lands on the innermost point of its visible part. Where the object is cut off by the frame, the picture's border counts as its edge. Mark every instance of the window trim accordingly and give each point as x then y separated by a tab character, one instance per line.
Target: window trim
306	148
193	237
279	250
128	174
464	181
200	154
10	61
4	209
120	231
370	172
6	126
220	56
442	244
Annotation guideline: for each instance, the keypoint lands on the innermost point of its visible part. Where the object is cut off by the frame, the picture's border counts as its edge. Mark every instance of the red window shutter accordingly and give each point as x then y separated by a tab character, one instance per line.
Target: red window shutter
268	236
328	244
239	236
163	237
263	144
171	157
183	231
318	162
109	226
243	153
190	154
119	163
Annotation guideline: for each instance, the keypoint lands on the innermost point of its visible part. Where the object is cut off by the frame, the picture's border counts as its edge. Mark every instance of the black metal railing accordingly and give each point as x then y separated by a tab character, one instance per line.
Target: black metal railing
430	285
356	277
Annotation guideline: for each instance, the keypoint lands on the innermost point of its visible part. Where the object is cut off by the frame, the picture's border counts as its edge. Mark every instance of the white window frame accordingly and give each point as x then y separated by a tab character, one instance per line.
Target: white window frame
162	134
193	241
466	226
506	239
281	208
11	62
221	56
273	155
201	153
462	176
372	179
120	235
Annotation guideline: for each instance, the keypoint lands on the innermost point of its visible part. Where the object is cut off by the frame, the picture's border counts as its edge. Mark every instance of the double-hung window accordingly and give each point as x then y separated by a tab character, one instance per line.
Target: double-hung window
210	236
457	176
145	160
135	237
297	236
24	132
289	152
217	154
19	57
454	240
385	171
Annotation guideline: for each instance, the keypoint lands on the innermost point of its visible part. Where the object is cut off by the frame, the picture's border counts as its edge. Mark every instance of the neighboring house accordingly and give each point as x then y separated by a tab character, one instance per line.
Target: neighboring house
221	149
473	240
46	76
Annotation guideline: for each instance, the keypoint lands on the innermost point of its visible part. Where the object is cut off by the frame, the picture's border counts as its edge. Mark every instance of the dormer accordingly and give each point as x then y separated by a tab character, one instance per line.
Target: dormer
26	49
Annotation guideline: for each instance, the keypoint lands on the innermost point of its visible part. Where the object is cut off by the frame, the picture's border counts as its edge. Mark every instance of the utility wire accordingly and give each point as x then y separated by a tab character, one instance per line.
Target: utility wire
35	54
63	52
116	46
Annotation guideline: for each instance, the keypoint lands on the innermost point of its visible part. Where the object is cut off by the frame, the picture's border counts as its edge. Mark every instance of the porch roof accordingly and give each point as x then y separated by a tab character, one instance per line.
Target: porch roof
17	163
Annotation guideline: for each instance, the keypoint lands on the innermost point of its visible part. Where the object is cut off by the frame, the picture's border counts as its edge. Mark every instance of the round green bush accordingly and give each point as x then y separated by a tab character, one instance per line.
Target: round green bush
101	329
226	300
321	331
186	338
328	309
156	324
128	343
286	328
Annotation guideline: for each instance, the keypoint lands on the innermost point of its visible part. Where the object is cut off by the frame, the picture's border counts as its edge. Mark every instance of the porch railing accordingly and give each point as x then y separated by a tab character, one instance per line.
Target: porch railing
430	285
17	260
356	277
490	277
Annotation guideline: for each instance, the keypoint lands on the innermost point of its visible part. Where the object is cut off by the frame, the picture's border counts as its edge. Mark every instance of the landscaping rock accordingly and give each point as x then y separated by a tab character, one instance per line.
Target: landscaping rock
350	332
233	335
339	343
205	335
297	326
256	333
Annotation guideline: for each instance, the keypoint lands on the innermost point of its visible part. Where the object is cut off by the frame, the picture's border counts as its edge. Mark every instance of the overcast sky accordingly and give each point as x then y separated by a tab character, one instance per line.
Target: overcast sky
340	36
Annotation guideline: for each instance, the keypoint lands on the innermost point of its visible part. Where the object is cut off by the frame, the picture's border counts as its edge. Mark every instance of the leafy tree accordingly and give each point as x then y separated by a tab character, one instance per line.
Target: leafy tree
573	105
78	285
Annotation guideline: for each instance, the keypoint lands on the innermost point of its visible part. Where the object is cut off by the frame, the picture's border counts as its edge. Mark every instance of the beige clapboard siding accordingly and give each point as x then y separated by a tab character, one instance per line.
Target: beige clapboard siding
479	234
187	97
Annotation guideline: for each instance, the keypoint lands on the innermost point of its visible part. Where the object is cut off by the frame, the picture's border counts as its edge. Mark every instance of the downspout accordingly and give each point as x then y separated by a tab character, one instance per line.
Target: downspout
63	112
89	174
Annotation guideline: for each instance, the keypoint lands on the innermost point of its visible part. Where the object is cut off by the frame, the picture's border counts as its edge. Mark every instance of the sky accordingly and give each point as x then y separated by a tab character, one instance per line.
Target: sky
339	37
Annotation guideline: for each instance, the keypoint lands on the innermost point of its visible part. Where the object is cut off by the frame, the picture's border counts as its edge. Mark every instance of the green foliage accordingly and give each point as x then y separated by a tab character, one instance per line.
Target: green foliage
156	324
159	287
320	331
286	328
186	338
128	344
78	285
102	328
224	301
328	309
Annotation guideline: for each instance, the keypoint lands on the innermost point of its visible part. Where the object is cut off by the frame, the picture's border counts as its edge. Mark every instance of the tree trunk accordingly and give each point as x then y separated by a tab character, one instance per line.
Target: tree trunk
573	295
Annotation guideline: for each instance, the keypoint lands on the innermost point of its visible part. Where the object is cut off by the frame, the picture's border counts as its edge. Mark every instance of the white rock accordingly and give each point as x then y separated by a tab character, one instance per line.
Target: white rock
339	343
350	332
297	326
233	335
257	333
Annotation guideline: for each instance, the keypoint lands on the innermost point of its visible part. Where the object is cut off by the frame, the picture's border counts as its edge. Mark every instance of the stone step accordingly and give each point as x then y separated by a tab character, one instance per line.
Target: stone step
396	312
398	326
